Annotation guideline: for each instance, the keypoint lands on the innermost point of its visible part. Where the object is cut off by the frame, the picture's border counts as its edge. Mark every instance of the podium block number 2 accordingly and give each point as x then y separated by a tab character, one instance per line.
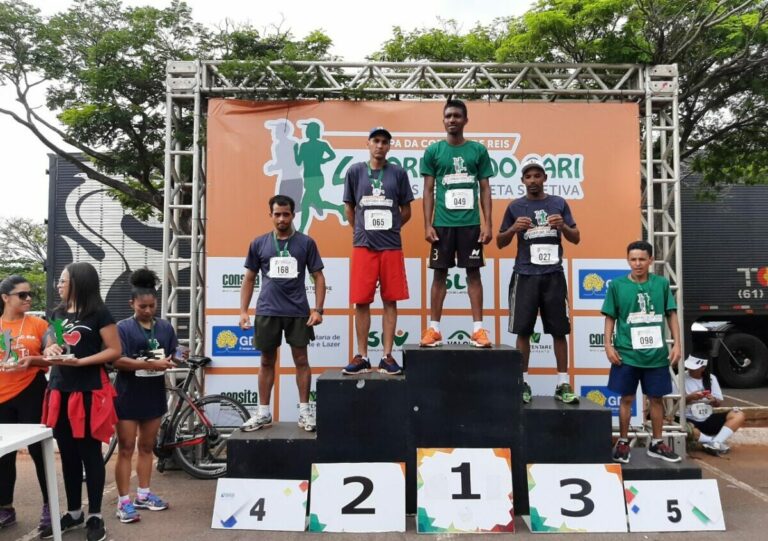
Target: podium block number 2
576	498
357	497
464	490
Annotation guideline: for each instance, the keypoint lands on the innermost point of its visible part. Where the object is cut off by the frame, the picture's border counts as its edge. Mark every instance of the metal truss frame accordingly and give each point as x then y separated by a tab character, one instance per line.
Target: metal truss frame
190	84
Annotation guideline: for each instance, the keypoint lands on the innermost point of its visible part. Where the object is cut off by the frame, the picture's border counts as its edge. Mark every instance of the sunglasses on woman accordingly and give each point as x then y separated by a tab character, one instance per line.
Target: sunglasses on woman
23	295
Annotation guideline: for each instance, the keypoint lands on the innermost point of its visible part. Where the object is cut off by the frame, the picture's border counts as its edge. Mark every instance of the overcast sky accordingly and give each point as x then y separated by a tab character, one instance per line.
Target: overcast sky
356	28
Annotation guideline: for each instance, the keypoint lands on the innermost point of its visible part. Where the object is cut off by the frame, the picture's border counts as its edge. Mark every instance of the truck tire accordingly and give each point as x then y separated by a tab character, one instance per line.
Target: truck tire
733	370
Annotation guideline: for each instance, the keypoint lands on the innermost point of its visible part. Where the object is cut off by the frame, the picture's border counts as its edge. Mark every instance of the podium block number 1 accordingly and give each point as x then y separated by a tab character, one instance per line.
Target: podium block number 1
357	497
464	490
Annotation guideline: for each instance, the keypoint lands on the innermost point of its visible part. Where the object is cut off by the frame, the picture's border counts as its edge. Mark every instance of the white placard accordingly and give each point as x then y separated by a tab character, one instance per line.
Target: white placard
576	498
329	349
224	275
674	506
464	490
589	342
336	273
243	387
260	504
358	497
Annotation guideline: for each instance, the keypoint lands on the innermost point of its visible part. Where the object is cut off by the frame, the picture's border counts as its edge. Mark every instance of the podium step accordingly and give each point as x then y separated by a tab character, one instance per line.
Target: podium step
282	451
641	467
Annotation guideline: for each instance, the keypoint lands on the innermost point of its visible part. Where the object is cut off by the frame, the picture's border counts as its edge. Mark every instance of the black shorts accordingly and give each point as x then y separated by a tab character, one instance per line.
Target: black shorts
712	424
457	243
268	332
530	294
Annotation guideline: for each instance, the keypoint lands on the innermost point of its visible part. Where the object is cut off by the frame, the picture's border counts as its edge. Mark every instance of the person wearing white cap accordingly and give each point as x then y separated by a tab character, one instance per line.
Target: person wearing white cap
702	393
539	221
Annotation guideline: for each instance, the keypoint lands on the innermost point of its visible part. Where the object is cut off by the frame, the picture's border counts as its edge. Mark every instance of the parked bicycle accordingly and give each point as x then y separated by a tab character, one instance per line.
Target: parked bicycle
196	428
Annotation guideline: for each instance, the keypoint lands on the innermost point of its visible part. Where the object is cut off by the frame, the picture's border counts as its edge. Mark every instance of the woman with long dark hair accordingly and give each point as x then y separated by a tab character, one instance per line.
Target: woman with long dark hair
148	346
80	400
22	386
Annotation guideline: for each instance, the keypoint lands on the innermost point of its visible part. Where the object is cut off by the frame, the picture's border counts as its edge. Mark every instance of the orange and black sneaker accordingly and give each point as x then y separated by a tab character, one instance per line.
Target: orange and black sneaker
431	338
480	339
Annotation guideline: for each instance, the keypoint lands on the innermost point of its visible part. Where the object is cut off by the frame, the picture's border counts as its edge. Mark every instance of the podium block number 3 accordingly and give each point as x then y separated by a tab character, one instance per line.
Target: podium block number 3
357	497
576	498
464	490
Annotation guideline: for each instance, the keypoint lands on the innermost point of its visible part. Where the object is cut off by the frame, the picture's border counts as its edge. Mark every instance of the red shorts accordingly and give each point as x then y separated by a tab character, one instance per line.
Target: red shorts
370	268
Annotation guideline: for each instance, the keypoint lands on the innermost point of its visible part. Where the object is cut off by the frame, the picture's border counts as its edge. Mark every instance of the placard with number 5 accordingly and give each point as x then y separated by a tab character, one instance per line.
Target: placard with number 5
682	505
464	490
358	497
576	498
260	504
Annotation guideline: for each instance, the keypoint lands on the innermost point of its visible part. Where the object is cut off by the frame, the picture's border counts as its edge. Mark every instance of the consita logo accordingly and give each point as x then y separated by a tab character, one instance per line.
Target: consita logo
375	338
603	396
459	337
593	283
232	341
597	340
246	397
234	281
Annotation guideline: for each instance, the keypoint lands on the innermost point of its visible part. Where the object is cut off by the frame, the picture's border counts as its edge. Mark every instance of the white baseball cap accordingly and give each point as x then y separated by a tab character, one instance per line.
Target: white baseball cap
531	161
694	363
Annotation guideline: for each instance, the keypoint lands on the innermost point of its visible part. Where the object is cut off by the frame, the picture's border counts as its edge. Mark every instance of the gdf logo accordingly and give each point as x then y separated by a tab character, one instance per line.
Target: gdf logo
375	338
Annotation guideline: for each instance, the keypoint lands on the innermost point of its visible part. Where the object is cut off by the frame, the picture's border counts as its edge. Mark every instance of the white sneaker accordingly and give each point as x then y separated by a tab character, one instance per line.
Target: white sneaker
256	422
308	418
716	448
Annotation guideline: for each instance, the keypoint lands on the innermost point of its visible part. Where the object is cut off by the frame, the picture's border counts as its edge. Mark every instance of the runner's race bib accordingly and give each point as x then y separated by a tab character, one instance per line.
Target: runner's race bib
463	199
646	337
378	220
283	267
157	354
544	254
701	411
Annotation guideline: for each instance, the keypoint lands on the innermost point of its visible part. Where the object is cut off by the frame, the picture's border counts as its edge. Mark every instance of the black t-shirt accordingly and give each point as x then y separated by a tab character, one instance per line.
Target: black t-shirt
84	339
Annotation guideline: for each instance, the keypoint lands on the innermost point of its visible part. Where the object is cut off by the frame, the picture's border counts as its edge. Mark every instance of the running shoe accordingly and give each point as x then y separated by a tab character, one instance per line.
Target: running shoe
7	516
480	339
564	393
358	365
431	338
621	452
45	518
388	365
68	522
527	393
152	503
95	530
308	418
127	513
715	448
663	451
256	422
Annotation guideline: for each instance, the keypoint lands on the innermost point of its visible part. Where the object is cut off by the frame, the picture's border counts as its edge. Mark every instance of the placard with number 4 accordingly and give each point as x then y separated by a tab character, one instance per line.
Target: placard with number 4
260	504
576	498
464	490
358	497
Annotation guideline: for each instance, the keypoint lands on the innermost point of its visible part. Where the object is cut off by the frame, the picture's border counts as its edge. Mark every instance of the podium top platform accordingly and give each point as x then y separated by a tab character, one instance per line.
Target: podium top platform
457	347
330	375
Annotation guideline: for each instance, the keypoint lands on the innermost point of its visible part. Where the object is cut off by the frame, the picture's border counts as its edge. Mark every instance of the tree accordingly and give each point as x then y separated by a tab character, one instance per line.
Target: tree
103	66
720	46
23	251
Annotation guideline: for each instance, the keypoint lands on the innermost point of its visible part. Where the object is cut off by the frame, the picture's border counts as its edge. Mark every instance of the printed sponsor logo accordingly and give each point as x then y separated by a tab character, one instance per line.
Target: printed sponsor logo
375	338
593	283
246	397
325	341
537	346
233	281
601	395
459	337
232	341
597	341
455	283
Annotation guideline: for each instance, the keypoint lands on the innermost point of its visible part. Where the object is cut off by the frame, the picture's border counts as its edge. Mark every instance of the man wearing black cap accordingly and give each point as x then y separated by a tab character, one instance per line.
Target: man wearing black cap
377	199
539	221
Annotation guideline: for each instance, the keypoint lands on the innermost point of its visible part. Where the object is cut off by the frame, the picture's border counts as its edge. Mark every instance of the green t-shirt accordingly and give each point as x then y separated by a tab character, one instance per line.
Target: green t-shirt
464	166
640	311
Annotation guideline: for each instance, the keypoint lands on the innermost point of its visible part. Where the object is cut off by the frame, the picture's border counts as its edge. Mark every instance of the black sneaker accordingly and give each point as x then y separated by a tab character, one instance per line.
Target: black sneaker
388	365
358	365
663	451
621	452
67	523
95	530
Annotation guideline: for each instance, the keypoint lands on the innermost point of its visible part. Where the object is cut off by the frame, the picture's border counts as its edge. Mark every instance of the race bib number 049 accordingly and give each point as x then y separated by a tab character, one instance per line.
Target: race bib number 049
459	199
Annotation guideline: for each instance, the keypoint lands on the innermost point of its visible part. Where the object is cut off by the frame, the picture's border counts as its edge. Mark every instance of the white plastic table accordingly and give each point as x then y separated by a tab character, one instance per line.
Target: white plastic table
13	437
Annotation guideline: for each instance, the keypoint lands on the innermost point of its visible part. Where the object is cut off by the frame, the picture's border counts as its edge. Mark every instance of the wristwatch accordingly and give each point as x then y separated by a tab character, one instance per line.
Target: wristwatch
319	311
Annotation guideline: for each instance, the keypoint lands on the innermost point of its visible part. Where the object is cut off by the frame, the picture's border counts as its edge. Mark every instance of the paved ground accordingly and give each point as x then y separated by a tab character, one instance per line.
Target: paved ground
742	479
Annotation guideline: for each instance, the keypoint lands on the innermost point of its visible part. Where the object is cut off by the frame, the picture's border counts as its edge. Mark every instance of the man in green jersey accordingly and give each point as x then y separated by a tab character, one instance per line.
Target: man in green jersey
636	306
456	186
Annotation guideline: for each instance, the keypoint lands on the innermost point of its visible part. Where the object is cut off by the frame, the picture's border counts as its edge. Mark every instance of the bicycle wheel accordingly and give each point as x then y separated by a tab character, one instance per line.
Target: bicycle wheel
107	449
200	446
